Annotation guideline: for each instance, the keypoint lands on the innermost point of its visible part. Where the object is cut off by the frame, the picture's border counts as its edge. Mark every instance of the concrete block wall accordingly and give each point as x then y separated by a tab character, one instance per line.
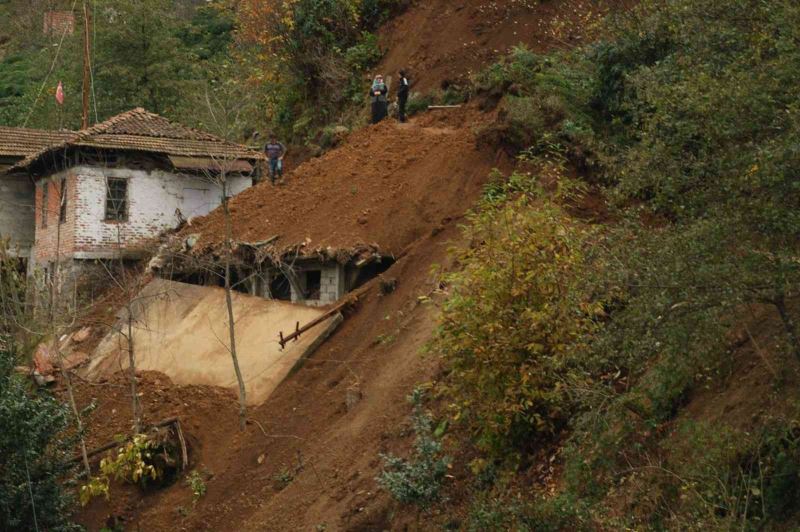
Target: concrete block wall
332	286
332	283
17	198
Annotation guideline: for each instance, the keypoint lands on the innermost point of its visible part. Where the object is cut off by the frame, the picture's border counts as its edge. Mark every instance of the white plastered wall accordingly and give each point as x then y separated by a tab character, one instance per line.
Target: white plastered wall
154	199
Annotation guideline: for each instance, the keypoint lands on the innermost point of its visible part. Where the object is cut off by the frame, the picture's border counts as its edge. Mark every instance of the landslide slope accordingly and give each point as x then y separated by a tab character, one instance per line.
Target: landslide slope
309	457
387	186
441	42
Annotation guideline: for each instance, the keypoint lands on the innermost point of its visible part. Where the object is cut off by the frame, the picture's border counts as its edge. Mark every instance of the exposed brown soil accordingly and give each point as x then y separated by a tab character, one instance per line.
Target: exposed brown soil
375	355
442	42
387	186
401	188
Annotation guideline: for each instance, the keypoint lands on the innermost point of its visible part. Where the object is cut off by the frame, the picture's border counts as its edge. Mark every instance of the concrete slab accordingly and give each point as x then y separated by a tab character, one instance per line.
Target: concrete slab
181	330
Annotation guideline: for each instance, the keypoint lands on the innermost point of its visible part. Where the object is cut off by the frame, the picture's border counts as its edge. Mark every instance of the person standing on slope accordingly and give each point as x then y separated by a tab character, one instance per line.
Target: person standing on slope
380	104
402	95
275	152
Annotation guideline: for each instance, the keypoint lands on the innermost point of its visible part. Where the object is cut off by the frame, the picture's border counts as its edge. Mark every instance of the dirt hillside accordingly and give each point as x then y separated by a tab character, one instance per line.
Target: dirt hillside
316	459
309	457
387	185
442	42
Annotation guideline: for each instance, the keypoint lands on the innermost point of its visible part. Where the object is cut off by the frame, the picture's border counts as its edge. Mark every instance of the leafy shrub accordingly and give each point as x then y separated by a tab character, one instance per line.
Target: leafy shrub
318	54
516	321
34	456
418	103
417	480
373	13
537	515
134	464
197	485
365	54
686	114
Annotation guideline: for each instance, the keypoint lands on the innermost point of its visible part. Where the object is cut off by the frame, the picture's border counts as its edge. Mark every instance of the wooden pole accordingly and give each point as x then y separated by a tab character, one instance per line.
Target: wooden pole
86	72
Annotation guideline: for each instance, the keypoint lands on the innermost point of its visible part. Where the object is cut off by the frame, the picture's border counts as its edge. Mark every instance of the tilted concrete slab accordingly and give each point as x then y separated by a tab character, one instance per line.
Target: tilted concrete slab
181	330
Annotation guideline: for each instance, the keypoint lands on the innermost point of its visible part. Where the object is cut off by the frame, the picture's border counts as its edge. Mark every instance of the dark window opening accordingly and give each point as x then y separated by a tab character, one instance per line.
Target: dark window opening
358	277
45	201
240	281
313	284
62	201
279	288
116	199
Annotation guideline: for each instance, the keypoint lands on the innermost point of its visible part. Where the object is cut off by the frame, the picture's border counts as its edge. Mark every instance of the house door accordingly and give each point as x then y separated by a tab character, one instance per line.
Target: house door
196	202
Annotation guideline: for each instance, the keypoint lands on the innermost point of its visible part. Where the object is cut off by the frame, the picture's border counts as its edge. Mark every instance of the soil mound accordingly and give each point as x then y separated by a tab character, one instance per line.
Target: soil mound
389	185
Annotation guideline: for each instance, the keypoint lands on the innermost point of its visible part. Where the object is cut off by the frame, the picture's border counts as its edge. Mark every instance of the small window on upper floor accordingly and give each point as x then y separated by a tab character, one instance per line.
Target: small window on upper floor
116	199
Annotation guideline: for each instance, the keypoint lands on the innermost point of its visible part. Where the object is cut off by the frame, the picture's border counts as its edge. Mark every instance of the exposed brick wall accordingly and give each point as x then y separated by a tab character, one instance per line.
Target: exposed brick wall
56	22
153	198
16	213
55	239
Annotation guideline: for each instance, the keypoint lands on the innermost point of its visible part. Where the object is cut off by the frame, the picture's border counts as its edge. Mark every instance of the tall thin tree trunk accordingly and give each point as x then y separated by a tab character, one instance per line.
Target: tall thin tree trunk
54	302
789	324
229	302
137	422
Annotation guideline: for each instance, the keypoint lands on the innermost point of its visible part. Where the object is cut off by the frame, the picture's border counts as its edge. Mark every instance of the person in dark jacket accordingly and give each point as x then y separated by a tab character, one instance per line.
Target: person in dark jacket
275	151
380	104
403	88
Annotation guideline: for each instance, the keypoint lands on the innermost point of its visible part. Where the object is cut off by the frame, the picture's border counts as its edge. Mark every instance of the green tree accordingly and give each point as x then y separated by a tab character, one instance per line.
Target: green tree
33	456
139	59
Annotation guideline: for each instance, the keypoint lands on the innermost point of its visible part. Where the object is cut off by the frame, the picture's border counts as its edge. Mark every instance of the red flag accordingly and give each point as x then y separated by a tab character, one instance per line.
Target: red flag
60	94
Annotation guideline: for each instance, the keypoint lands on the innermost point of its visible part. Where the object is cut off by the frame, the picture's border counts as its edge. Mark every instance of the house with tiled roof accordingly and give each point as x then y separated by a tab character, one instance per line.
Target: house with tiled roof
16	189
107	191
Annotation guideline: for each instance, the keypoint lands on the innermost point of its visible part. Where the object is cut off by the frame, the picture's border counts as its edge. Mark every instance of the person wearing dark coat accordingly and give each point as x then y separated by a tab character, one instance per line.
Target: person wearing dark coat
380	104
402	95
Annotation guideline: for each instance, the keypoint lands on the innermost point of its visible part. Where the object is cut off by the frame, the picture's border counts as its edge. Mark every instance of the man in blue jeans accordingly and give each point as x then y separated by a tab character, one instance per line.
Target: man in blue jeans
275	152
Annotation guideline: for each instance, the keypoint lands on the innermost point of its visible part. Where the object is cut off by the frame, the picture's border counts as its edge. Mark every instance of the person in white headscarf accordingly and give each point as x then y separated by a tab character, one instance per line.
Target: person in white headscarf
380	103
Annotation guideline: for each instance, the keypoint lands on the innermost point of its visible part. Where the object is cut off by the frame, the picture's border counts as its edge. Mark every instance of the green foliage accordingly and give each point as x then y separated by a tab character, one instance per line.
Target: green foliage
517	320
373	13
34	456
365	54
197	485
134	464
518	513
144	53
546	99
686	115
282	478
418	480
140	59
418	103
310	58
209	34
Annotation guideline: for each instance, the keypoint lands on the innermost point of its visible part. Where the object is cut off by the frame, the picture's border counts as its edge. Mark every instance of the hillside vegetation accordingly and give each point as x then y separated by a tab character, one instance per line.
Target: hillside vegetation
612	342
230	66
603	342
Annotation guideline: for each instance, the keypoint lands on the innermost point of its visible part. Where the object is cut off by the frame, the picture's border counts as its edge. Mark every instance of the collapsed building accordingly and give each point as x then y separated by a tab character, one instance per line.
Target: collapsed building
341	219
314	277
